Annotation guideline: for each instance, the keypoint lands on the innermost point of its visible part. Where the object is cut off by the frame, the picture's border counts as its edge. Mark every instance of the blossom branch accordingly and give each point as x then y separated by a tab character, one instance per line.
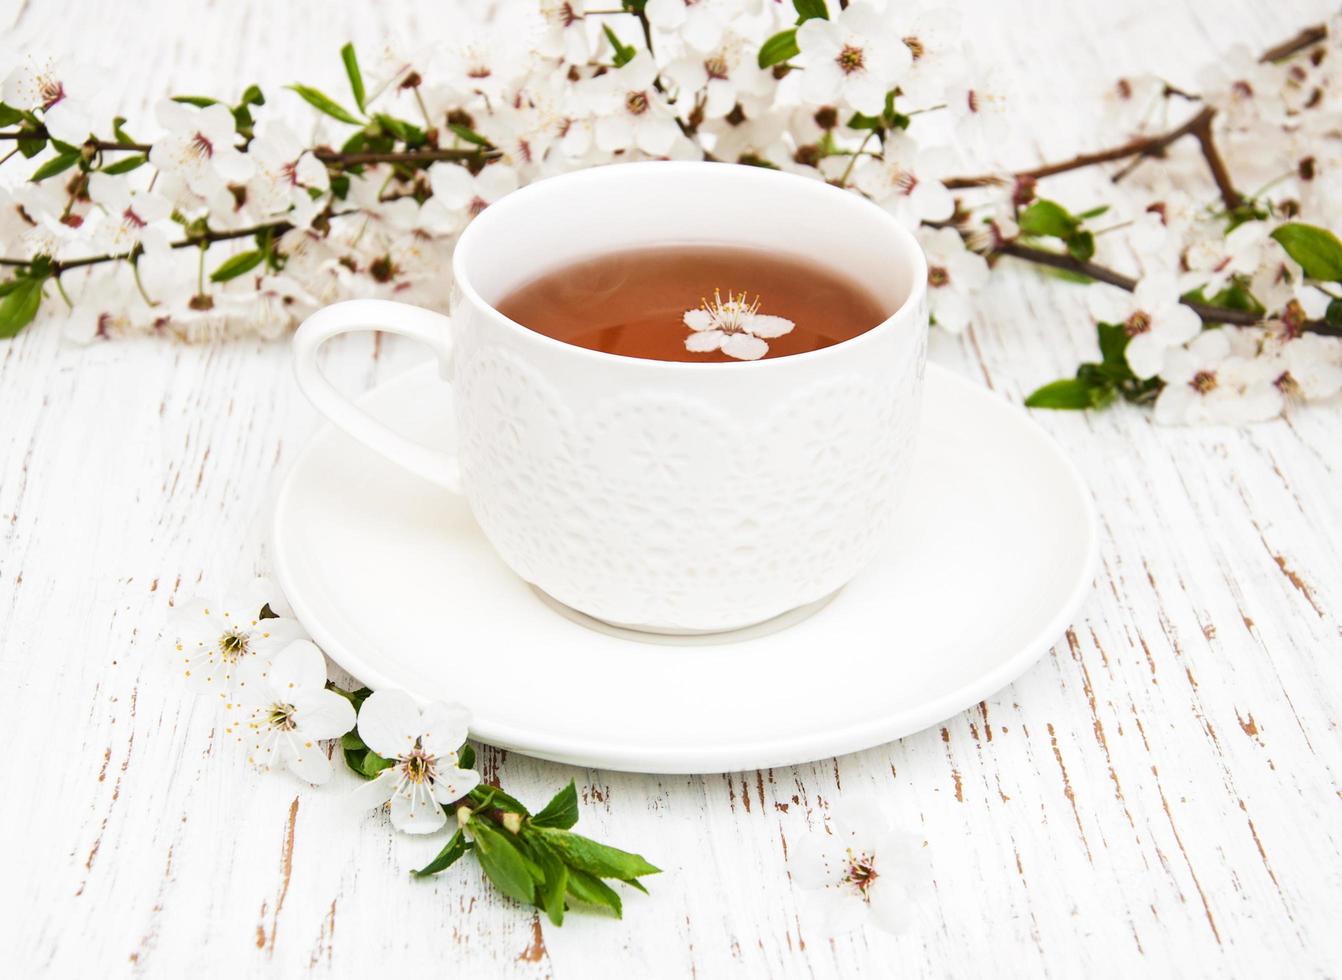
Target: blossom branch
1100	273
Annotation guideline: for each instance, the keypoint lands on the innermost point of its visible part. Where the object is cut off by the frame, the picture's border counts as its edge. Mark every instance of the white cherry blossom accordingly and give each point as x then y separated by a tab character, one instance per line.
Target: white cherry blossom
932	36
61	92
906	180
630	112
422	746
108	306
201	147
1153	317
1309	367
1207	382
954	274
286	174
734	326
564	31
462	195
726	74
131	217
859	870
284	710
700	24
852	60
215	637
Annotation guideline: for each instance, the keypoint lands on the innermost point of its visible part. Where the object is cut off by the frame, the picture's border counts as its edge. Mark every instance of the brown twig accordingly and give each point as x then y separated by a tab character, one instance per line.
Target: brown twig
1100	273
1142	146
1202	132
1308	36
325	156
1148	146
191	241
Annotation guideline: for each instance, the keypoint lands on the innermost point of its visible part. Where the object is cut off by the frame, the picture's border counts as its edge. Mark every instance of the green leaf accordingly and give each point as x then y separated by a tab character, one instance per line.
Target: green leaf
199	101
1333	315
808	9
1081	245
126	165
1317	250
238	265
1048	218
562	811
402	130
324	103
121	135
20	305
1092	213
491	796
9	115
502	861
598	859
779	48
1070	393
452	851
634	6
373	764
355	76
623	52
252	95
1236	296
554	886
591	890
466	756
468	134
57	164
860	121
1113	347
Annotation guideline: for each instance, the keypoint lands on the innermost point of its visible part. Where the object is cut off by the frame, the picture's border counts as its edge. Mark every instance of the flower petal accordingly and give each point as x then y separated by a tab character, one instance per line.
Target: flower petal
416	812
743	347
376	791
1146	355
305	757
698	319
451	785
764	325
704	341
323	714
443	727
389	723
300	666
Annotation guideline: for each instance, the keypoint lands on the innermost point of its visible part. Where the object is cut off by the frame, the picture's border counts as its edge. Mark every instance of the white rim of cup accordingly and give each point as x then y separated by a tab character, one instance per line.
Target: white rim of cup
787	183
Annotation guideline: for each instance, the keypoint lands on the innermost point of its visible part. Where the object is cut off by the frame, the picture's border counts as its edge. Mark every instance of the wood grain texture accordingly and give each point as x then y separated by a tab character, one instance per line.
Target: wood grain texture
1160	794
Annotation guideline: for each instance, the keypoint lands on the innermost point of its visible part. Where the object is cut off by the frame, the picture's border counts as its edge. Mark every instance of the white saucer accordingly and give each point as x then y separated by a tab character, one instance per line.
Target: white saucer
993	552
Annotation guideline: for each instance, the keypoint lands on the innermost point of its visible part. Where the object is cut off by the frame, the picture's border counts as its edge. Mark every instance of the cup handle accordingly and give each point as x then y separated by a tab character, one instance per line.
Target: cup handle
432	329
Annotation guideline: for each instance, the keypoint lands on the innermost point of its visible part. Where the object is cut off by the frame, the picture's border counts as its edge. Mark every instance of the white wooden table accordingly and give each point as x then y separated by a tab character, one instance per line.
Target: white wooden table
1159	794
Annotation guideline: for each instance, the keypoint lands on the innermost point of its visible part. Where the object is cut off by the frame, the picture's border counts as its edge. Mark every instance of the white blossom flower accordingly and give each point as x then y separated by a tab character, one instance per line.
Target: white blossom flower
214	638
60	92
1153	317
107	306
976	97
424	776
1244	90
932	36
700	24
1207	382
482	58
630	111
286	174
906	180
734	326
852	60
272	305
201	147
860	870
1212	257
132	216
463	195
1309	367
720	78
564	32
284	710
954	274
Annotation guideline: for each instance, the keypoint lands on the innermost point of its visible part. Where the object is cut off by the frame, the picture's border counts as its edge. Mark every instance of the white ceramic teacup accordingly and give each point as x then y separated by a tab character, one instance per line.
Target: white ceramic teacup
669	497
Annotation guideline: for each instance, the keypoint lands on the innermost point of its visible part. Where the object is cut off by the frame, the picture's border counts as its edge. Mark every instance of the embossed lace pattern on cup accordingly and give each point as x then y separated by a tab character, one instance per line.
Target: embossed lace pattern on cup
650	503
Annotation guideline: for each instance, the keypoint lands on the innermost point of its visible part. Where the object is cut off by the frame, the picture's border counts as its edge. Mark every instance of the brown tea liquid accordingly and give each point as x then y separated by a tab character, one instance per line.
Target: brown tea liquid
742	301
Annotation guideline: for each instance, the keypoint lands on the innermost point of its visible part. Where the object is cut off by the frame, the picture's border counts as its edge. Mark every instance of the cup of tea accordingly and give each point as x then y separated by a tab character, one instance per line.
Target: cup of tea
686	394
